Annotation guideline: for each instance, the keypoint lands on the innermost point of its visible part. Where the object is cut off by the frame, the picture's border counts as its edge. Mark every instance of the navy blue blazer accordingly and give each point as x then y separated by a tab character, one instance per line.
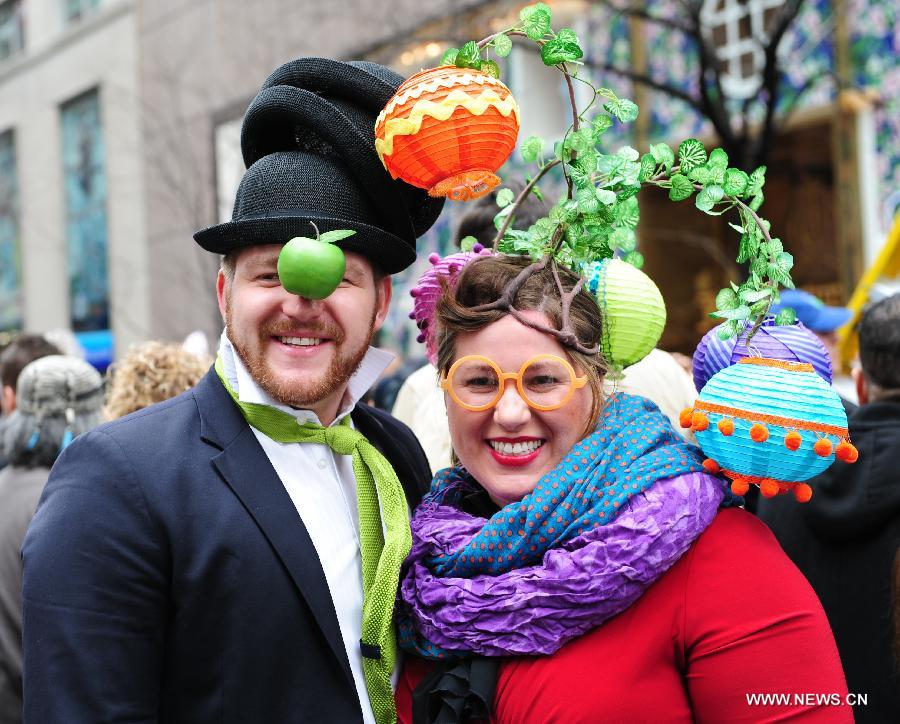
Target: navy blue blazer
168	576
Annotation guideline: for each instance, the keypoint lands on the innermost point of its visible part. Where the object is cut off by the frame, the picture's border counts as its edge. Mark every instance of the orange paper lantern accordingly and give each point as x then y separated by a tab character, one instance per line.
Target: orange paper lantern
448	130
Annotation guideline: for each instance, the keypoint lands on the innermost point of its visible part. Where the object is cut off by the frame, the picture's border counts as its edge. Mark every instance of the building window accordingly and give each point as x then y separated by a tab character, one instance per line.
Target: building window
84	179
10	259
738	30
77	9
11	36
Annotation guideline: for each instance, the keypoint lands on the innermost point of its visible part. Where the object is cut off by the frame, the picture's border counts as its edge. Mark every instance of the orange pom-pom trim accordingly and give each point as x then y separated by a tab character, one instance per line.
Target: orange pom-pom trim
846	452
823	447
759	433
769	488
803	492
726	426
793	440
711	466
740	487
685	417
699	422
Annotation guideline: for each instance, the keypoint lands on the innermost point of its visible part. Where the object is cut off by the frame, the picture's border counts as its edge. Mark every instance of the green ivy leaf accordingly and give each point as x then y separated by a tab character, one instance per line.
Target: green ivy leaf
663	154
726	299
557	51
329	237
691	154
681	188
750	296
740	312
505	197
581	141
568	35
587	200
648	167
759	266
718	158
736	182
728	330
756	201
701	174
624	240
784	262
623	109
757	181
775	247
491	68
716	175
500	218
600	124
607	93
635	258
628	213
502	45
449	56
467	242
708	197
469	56
606	197
536	19
532	148
785	317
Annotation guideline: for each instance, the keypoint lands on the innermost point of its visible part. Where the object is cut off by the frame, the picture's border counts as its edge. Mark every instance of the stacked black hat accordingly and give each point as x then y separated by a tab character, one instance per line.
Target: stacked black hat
308	141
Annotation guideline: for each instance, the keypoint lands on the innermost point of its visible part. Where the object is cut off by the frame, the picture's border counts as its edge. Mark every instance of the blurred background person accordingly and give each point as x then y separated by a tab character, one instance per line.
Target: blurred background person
845	539
23	349
151	372
57	399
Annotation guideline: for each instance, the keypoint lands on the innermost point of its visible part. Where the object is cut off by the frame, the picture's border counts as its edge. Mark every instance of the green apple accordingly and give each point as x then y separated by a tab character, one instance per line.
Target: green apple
312	268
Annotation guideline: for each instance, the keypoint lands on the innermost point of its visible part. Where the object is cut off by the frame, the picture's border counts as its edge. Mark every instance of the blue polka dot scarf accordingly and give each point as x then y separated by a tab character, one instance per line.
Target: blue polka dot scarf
469	583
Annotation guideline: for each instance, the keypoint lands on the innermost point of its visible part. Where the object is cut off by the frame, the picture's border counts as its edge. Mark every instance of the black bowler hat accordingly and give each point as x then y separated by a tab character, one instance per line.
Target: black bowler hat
308	140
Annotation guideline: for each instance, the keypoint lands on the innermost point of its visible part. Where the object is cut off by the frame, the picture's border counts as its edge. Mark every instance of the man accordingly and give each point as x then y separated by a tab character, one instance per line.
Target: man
23	350
846	538
201	560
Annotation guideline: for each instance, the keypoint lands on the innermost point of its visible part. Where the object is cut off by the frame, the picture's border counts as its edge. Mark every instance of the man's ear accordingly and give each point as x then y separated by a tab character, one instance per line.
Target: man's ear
862	385
221	283
384	289
8	400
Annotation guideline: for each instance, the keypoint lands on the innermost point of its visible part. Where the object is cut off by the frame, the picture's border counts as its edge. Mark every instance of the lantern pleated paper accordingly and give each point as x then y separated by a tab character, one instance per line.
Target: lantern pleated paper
789	343
632	308
448	130
770	423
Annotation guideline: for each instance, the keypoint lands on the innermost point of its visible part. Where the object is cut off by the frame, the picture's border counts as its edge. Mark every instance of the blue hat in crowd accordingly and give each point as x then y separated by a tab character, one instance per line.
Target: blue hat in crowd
812	311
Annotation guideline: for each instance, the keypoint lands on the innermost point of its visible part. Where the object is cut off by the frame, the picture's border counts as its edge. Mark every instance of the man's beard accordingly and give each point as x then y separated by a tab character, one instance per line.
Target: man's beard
344	363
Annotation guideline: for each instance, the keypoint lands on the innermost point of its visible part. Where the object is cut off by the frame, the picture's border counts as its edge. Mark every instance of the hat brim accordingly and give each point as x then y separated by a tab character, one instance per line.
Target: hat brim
829	319
387	251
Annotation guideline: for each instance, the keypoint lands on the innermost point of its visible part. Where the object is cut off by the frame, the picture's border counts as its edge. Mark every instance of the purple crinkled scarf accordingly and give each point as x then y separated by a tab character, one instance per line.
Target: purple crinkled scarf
577	586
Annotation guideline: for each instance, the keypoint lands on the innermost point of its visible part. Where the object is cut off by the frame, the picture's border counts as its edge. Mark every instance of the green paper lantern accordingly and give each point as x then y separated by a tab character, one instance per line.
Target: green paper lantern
632	307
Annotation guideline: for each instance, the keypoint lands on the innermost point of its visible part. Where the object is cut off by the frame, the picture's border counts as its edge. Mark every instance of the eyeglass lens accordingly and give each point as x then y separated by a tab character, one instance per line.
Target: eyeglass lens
545	382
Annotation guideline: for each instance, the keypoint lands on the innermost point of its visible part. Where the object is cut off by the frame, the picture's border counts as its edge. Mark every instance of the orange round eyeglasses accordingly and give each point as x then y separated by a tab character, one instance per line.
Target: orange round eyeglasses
545	382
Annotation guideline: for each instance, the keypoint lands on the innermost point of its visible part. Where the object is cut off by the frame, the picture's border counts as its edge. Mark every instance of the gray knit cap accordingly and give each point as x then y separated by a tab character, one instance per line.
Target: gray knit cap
51	385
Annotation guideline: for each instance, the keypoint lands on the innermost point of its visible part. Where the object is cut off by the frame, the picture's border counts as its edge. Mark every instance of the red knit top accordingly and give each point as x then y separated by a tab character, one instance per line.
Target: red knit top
734	618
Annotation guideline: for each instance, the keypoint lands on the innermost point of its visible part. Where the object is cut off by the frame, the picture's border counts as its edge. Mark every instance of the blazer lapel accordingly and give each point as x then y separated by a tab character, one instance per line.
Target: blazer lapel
247	471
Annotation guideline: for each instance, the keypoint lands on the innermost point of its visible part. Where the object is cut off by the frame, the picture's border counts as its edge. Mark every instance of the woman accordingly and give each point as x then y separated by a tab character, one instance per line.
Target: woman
575	565
57	399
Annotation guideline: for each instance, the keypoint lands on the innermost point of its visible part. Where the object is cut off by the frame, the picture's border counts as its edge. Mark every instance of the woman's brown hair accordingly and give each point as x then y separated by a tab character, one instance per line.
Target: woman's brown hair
484	281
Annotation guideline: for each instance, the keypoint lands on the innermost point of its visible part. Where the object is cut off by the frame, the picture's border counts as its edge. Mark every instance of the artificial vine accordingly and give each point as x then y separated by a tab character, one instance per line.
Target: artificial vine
597	216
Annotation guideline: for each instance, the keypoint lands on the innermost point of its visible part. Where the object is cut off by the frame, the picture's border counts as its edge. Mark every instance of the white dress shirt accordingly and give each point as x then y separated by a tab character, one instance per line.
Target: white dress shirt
322	487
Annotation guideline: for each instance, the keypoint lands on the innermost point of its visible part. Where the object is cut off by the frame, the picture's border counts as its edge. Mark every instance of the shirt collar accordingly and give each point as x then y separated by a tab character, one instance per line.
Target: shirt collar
373	364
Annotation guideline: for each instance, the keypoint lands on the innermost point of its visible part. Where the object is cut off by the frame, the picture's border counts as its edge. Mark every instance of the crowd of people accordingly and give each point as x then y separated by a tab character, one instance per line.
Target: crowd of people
255	538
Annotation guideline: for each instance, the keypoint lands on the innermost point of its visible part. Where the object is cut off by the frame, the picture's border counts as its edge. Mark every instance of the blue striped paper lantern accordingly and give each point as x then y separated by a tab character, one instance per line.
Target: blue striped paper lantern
770	423
790	343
